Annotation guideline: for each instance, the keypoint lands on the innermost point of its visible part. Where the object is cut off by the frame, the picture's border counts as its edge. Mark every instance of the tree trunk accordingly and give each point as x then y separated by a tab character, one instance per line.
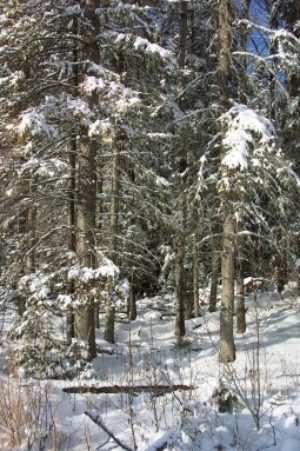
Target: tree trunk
180	299
97	316
18	266
215	269
84	326
71	234
71	219
114	227
196	276
227	348
241	310
131	299
86	218
242	69
181	294
84	317
109	333
131	303
195	216
115	203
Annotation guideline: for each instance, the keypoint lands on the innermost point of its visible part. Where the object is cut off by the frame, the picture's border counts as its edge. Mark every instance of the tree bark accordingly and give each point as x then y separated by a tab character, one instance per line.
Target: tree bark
86	217
131	303
71	233
241	309
114	227
84	318
71	219
181	294
195	225
131	299
18	267
196	276
109	333
115	202
215	269
227	348
243	76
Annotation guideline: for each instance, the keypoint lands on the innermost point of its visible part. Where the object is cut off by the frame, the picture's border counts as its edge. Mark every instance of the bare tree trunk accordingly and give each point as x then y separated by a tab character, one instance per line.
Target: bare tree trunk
227	348
131	299
114	227
196	276
97	316
195	217
115	203
243	75
18	267
241	309
84	318
71	234
71	219
181	294
215	270
109	333
114	221
131	303
86	218
241	324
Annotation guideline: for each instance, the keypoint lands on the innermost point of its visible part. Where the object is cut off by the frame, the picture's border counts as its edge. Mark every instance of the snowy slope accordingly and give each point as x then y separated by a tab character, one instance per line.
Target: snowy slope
266	385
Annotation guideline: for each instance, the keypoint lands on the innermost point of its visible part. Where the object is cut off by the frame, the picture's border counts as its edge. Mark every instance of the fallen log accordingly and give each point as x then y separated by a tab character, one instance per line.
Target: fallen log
104	351
157	390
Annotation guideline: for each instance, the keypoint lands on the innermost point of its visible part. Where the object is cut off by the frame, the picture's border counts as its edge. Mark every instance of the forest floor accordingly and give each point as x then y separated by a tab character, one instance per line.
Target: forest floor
265	381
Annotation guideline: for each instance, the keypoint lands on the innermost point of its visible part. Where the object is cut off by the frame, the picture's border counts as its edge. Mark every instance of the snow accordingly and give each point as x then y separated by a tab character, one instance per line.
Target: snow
85	274
65	300
100	127
238	143
73	10
35	123
119	98
3	18
43	168
149	47
160	135
127	102
92	84
79	108
152	48
4	81
161	181
246	130
187	421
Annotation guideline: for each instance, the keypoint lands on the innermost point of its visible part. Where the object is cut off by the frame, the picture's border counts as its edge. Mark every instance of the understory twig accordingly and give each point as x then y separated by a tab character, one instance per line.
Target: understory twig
97	420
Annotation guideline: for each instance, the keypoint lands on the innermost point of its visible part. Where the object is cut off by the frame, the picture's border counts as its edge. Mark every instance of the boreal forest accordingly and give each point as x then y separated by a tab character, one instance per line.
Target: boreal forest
150	225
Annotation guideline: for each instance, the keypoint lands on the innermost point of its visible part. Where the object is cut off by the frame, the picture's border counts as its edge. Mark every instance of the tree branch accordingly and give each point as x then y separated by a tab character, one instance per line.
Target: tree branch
98	420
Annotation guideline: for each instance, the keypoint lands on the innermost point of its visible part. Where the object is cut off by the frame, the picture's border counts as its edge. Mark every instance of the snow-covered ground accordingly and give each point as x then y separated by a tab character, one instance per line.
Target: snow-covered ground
266	384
